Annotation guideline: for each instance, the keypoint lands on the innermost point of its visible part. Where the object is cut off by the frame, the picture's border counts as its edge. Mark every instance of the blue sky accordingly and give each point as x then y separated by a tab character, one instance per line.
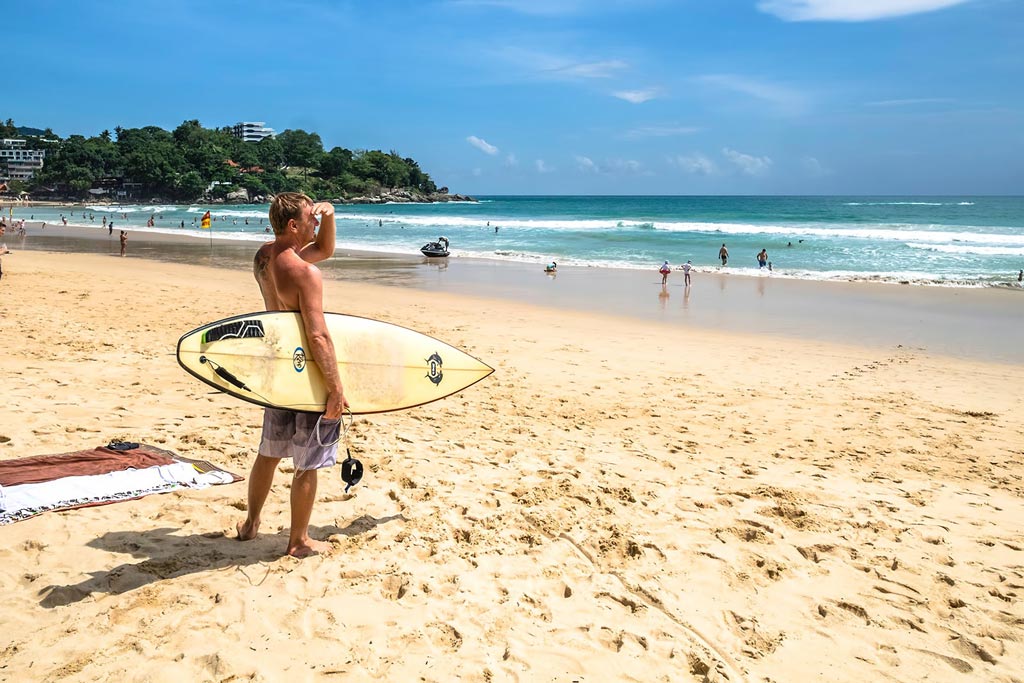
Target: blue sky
562	96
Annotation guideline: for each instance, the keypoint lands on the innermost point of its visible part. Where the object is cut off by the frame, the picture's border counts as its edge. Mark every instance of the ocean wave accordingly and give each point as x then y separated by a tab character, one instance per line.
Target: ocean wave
960	249
908	204
901	232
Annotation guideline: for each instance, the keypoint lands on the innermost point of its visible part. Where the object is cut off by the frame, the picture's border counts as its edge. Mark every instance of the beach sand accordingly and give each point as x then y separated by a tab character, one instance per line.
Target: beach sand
625	499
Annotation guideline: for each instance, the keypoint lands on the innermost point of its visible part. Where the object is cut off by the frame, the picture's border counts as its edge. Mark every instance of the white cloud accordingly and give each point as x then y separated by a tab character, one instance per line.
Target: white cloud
660	131
588	70
624	166
850	10
482	145
750	165
636	96
542	166
609	166
697	164
586	164
814	168
511	160
782	98
552	8
909	102
539	64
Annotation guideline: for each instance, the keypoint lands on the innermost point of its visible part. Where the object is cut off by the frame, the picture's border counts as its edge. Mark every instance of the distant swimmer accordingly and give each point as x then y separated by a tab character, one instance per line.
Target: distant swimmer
723	254
551	267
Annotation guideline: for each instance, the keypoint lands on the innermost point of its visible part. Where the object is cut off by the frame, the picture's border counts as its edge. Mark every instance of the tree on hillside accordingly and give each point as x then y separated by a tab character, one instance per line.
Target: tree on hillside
269	153
301	148
150	157
182	163
335	163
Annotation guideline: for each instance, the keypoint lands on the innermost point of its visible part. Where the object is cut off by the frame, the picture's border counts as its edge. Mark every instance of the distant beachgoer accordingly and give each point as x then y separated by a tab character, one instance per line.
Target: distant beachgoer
3	250
110	228
380	222
789	244
762	258
551	267
687	267
769	266
495	229
124	242
183	223
723	254
665	270
1020	276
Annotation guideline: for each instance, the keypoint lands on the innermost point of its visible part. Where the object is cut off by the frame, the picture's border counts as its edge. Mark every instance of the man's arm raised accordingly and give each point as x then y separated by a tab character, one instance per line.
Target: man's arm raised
322	247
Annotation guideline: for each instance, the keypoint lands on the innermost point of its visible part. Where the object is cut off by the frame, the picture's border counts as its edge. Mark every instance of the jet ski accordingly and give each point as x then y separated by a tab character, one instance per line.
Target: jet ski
437	249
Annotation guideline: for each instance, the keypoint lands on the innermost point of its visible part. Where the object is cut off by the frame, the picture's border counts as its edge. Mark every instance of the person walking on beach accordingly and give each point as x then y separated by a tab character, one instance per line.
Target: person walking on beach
665	270
1020	276
723	254
762	258
289	281
3	250
124	242
687	267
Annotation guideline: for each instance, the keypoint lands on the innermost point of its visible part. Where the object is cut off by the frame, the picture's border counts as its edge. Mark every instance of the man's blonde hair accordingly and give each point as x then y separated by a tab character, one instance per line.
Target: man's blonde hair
285	207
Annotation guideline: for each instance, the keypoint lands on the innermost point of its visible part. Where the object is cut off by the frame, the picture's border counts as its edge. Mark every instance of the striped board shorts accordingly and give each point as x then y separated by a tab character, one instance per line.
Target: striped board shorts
287	434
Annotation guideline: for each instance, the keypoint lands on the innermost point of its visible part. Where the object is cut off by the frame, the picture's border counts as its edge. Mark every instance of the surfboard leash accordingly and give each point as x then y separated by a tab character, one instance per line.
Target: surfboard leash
351	468
229	377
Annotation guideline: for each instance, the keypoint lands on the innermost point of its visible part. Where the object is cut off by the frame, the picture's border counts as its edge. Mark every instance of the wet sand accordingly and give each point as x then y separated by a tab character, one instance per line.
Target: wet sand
971	323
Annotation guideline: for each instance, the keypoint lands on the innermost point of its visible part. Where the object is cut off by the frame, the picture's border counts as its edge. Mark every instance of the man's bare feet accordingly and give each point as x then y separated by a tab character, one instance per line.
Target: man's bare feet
308	547
247	530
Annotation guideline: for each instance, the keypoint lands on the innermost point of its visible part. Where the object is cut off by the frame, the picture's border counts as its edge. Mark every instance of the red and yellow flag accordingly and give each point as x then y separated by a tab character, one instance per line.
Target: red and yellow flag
205	225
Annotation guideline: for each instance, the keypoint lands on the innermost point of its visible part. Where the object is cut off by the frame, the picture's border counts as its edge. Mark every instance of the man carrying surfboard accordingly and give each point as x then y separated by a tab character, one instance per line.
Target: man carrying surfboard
289	281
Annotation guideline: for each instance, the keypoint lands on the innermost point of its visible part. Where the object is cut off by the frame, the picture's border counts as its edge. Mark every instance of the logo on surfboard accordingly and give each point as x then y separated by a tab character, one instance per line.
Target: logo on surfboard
299	359
434	373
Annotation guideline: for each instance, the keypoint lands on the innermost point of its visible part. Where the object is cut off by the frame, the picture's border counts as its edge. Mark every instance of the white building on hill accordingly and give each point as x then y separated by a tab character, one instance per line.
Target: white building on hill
18	163
252	131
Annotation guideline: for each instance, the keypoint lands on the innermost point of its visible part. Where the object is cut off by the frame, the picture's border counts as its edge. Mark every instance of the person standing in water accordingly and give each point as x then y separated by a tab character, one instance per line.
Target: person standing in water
723	254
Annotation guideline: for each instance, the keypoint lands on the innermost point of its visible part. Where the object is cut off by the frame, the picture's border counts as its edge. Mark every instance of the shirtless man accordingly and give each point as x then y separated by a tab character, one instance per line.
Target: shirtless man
290	282
723	254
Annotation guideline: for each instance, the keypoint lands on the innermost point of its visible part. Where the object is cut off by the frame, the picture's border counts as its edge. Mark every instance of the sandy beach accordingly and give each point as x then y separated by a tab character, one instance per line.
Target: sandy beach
647	489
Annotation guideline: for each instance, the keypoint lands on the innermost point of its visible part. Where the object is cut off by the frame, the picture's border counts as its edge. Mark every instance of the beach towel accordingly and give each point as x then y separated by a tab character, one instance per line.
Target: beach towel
98	476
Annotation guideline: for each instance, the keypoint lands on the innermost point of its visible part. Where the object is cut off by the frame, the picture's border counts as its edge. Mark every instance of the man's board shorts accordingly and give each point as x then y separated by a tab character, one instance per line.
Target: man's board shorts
288	434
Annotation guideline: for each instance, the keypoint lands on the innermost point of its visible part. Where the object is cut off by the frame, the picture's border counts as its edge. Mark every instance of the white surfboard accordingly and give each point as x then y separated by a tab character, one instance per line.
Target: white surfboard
264	358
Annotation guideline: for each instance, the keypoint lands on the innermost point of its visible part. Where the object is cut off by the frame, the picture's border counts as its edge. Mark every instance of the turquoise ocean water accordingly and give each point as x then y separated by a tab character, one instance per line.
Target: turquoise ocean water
953	241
